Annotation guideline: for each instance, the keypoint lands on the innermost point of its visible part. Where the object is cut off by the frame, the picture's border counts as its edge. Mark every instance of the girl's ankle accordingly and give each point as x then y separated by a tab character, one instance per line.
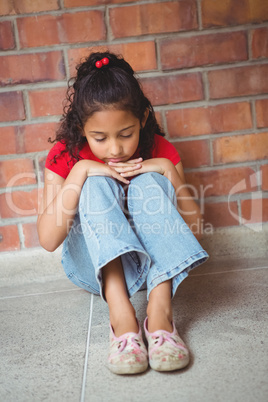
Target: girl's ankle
159	320
123	323
121	328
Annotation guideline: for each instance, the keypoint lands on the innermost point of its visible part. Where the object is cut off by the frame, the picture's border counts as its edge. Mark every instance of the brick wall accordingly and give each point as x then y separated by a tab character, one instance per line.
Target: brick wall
203	63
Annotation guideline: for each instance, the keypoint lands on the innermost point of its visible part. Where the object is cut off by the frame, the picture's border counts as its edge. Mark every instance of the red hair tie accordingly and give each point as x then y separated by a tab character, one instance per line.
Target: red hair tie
102	62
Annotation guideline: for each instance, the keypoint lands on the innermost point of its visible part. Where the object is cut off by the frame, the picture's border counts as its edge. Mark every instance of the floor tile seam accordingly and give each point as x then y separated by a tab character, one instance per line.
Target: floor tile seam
40	294
230	271
84	380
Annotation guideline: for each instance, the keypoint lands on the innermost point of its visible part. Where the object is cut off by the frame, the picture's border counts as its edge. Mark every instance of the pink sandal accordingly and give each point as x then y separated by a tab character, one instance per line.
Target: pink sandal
167	351
128	354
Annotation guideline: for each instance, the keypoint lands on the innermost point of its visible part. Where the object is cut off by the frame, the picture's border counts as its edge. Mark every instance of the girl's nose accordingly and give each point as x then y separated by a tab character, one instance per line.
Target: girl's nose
115	149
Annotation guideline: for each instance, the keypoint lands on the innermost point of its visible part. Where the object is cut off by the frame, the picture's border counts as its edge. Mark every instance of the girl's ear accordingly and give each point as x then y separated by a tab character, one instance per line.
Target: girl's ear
145	117
81	129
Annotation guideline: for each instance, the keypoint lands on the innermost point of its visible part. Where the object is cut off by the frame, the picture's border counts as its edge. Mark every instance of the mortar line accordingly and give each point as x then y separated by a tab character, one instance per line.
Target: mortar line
199	15
16	36
249	44
82	399
21	235
253	114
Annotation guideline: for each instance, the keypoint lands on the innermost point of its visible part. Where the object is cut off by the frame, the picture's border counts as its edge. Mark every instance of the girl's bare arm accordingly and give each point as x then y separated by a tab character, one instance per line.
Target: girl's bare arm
59	204
186	206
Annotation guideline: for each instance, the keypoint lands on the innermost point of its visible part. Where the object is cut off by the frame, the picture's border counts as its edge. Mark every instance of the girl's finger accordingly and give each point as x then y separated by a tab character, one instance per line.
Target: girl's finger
135	160
122	179
131	173
124	169
131	162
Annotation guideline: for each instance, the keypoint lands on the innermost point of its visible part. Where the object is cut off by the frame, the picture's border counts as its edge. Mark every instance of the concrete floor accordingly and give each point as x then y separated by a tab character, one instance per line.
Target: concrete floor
54	336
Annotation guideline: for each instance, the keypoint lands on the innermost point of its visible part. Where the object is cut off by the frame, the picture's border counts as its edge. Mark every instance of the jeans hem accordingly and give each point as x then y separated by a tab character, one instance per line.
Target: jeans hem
180	272
121	252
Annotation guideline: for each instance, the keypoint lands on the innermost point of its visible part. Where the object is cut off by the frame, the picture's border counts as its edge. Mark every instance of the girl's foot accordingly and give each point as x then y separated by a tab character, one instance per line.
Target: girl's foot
167	351
128	354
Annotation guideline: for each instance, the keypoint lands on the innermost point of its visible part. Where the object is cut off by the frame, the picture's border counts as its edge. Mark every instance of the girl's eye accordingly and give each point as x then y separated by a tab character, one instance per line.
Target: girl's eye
99	139
127	136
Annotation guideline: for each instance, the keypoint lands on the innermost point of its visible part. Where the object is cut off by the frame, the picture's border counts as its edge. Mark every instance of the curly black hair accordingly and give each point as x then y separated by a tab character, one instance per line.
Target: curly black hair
93	89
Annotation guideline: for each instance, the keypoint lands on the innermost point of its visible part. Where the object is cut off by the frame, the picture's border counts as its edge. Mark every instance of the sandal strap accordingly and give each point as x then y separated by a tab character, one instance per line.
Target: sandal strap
164	337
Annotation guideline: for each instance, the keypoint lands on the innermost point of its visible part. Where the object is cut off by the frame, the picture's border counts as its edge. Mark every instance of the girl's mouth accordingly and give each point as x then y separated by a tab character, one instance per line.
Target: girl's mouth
115	160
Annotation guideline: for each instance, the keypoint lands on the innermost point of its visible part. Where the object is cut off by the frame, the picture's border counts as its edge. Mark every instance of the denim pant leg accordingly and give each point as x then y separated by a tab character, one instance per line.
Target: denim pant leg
99	234
173	249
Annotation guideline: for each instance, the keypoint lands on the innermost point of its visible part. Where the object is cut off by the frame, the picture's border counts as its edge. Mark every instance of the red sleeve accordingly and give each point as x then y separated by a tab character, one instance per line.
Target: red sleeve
164	149
63	163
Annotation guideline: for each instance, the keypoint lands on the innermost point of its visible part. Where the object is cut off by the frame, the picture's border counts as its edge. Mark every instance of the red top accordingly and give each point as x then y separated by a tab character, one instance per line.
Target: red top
63	165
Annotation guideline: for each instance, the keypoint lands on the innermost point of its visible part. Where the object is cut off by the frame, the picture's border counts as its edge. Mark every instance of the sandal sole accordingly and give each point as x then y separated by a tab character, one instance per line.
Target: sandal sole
169	366
126	369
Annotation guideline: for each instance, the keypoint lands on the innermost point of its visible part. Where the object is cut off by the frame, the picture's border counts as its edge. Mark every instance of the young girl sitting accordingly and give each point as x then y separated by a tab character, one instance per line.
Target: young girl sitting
115	194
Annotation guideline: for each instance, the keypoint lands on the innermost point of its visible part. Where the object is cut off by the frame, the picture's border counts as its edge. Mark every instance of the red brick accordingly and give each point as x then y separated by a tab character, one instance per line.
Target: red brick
173	88
11	106
202	50
221	214
26	68
209	120
140	55
233	12
6	7
260	43
8	140
6	36
261	112
240	81
264	172
17	172
47	30
153	18
35	136
28	138
84	3
20	203
40	30
241	148
47	102
83	27
219	182
30	235
254	210
26	6
193	153
9	238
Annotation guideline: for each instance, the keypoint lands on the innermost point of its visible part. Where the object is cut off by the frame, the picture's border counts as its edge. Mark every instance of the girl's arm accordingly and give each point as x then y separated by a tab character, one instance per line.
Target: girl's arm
61	196
187	207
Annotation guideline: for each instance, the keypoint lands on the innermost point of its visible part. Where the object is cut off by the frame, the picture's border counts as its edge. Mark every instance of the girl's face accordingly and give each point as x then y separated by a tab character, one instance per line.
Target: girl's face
113	135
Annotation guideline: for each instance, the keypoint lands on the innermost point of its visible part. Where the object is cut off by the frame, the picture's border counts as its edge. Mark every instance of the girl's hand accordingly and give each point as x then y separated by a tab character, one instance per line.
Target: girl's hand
129	169
115	170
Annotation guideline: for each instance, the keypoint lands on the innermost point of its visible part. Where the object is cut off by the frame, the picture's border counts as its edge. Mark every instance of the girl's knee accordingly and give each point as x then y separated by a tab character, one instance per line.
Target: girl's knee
100	184
100	191
99	180
148	182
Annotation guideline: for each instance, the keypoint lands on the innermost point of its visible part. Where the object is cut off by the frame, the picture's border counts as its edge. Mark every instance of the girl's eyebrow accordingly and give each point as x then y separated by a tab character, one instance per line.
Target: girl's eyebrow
101	132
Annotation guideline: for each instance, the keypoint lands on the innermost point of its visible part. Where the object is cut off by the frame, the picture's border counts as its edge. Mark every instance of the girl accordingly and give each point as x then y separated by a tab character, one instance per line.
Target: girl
113	189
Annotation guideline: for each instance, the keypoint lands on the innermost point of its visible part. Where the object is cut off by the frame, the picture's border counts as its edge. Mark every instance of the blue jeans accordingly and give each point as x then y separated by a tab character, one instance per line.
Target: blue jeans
144	228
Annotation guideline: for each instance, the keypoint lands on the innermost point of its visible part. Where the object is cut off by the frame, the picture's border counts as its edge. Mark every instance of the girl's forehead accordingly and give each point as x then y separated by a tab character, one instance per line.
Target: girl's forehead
111	115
